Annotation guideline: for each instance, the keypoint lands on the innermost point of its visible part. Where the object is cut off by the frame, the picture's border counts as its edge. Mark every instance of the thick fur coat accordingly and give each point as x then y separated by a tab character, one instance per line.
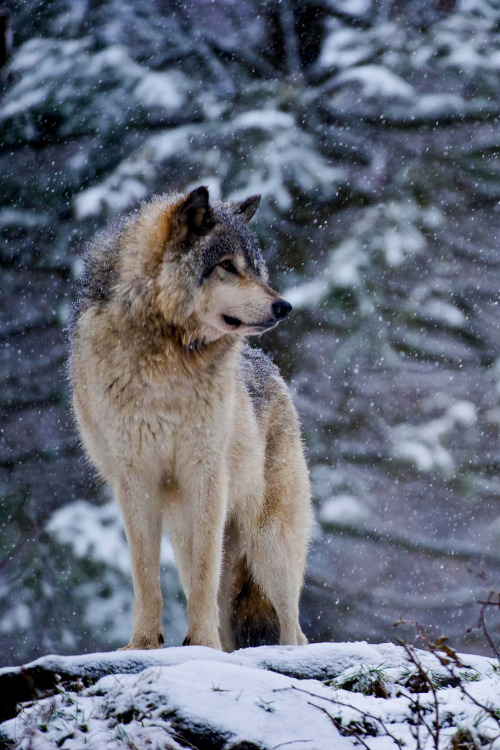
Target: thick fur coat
194	430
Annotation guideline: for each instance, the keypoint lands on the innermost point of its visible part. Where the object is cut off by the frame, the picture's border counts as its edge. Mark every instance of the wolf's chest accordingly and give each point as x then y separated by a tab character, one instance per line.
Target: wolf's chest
150	413
154	418
159	410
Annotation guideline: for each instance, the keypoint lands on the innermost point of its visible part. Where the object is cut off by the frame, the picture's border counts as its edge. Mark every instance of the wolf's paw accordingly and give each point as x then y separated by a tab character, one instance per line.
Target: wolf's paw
144	644
202	640
301	638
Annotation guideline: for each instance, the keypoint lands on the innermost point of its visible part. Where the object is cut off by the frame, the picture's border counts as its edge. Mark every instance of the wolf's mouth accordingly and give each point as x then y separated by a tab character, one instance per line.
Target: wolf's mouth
234	322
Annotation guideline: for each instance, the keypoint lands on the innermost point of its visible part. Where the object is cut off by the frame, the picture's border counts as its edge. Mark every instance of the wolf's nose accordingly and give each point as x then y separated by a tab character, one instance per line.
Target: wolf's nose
281	308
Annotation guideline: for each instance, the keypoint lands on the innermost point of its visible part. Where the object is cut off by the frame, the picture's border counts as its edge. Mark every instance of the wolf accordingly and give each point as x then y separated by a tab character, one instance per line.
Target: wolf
192	428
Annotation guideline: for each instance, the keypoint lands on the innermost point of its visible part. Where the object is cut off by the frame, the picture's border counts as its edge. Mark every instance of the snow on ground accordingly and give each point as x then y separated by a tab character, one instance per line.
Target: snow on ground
322	696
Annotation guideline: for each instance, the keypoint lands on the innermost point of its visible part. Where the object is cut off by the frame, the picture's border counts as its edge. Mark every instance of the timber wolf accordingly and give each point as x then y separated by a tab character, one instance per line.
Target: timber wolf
193	429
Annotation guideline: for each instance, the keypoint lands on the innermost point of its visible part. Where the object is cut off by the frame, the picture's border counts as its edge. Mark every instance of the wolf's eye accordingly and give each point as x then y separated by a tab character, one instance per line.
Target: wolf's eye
227	265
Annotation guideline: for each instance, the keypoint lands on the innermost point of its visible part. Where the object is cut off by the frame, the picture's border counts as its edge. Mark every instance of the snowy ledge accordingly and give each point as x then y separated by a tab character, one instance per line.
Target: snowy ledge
322	696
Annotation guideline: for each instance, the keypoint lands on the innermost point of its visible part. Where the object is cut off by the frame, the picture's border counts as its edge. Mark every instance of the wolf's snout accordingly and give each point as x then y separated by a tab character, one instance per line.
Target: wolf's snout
281	308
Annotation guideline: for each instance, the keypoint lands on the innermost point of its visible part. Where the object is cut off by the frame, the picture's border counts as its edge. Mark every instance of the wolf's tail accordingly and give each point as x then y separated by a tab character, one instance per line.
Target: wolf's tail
254	621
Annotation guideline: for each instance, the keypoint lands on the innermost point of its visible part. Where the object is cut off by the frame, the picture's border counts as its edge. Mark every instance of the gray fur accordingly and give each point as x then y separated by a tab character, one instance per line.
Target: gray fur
230	235
256	369
100	259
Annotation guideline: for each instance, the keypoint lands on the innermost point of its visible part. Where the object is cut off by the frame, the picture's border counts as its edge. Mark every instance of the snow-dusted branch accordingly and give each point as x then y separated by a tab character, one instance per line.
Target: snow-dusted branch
430	548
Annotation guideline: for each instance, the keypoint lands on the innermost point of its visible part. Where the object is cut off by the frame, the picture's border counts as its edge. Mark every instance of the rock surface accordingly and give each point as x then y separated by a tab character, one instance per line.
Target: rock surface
316	697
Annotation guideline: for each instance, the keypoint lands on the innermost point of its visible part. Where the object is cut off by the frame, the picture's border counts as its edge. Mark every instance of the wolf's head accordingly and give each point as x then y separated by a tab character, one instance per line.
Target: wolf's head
206	267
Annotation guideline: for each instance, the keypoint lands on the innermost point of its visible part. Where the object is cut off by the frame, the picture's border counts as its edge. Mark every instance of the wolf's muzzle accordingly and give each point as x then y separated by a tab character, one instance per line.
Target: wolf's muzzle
281	308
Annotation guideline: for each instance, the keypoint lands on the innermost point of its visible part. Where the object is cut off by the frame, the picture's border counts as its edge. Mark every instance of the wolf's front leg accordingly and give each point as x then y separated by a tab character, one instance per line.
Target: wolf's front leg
141	508
205	495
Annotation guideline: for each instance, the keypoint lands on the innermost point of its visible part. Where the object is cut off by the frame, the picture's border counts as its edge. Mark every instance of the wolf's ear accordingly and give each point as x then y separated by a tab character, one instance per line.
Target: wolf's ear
193	216
248	207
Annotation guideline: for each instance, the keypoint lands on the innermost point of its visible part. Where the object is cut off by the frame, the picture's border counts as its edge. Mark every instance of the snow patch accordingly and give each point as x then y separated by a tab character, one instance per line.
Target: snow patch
162	90
343	509
97	533
424	445
321	696
377	81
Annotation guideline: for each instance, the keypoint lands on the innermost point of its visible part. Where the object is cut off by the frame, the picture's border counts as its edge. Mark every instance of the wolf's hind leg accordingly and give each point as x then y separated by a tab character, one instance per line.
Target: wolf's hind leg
278	567
278	534
141	508
301	638
279	540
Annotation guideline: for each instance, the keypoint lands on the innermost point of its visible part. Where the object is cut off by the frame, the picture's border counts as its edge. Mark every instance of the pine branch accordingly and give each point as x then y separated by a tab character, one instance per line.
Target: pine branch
430	548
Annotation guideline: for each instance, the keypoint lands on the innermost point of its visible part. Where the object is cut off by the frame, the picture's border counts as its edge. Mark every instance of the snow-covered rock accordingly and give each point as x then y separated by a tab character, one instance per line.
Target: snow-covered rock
321	696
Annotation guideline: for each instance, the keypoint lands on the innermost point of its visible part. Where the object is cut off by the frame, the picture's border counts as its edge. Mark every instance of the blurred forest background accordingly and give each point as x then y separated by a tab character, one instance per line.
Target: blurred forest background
371	128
